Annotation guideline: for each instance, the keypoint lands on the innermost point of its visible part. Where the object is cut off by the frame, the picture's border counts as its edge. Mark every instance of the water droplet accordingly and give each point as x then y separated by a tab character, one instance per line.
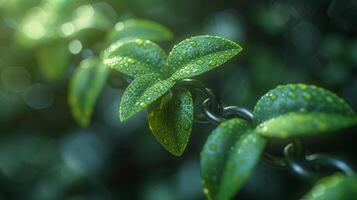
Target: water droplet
222	56
306	96
201	62
212	62
139	41
280	87
213	147
303	86
292	87
206	191
272	96
292	95
329	99
131	61
193	43
303	109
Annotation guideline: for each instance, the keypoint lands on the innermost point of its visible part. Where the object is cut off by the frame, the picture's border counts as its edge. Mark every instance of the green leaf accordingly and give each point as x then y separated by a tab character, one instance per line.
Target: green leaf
137	28
336	187
298	109
298	124
85	86
199	54
141	93
170	119
228	158
135	57
53	60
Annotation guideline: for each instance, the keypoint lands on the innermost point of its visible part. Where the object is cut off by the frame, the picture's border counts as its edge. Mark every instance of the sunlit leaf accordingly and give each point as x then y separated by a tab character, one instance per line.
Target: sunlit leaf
85	87
53	60
138	28
199	54
228	158
143	91
170	119
135	57
336	187
299	109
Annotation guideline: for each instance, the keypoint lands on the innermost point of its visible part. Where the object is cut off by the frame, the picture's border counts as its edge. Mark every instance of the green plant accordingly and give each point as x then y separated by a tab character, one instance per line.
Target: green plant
161	85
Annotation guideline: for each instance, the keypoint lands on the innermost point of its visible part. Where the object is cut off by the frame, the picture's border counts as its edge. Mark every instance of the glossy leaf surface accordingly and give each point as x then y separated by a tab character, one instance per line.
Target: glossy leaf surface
228	158
199	54
170	119
85	86
143	91
299	109
336	187
135	57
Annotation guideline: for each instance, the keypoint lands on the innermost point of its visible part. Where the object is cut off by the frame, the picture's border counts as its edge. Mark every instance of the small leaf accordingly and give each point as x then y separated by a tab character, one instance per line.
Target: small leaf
299	109
336	187
141	93
228	158
135	57
137	28
170	119
85	86
199	54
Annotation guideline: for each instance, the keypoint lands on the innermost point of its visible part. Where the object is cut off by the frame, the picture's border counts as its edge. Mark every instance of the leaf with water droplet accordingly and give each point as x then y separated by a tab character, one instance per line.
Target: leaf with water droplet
170	119
138	28
298	109
335	187
135	57
85	86
228	158
199	54
143	91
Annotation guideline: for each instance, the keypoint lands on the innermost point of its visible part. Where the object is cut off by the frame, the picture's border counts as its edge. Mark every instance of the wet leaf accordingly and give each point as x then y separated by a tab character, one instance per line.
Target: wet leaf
135	57
138	28
199	54
336	187
299	109
228	158
170	119
143	91
85	86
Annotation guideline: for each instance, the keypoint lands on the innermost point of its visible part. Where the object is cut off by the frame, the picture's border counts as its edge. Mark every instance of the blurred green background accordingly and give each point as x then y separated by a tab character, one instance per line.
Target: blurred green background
45	155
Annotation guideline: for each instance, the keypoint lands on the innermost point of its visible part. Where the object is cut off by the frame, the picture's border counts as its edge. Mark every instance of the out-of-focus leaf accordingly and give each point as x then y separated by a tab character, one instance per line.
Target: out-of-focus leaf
86	18
53	60
57	20
170	119
141	93
135	57
38	27
228	158
299	109
138	28
336	187
85	87
199	54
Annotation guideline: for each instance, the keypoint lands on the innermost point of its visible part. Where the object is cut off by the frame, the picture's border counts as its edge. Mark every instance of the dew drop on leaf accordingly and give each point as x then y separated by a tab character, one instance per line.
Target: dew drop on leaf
193	43
201	62
213	147
212	62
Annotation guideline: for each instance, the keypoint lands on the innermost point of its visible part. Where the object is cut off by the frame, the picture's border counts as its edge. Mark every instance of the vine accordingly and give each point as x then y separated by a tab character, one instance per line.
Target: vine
161	84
